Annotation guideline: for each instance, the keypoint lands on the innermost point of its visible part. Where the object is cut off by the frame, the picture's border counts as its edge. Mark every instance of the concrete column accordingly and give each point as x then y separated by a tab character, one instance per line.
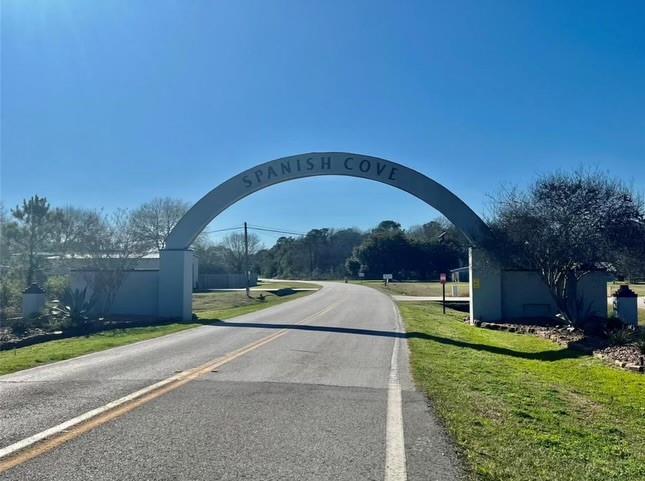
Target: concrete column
33	301
176	284
485	287
626	305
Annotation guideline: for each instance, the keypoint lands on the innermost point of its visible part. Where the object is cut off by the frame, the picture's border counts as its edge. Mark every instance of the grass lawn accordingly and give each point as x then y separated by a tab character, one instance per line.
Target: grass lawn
522	408
208	306
416	288
52	351
224	305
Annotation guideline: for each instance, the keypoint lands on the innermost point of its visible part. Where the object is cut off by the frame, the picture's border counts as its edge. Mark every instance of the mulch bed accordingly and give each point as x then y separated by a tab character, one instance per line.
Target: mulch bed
627	357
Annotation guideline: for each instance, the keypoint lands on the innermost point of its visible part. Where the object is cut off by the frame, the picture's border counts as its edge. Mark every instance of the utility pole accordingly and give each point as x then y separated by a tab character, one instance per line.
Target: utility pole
246	259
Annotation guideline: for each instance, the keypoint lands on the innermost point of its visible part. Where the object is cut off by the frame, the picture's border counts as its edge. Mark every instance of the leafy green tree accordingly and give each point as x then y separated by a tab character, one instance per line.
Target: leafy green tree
385	251
31	233
388	226
353	266
321	253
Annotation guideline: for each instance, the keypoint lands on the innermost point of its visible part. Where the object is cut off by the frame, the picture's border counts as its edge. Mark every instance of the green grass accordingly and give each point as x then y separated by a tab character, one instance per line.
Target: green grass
524	409
52	351
208	306
224	305
414	288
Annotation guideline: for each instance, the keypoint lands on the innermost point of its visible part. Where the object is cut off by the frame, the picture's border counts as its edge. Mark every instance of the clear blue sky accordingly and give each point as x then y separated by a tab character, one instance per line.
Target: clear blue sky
107	104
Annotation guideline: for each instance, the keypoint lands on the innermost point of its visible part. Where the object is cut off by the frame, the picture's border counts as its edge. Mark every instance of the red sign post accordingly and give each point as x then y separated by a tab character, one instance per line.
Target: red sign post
442	279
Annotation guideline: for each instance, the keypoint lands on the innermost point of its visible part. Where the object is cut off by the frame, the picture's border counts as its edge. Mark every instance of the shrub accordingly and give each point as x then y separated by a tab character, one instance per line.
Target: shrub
640	340
73	311
56	286
621	337
19	326
10	297
614	324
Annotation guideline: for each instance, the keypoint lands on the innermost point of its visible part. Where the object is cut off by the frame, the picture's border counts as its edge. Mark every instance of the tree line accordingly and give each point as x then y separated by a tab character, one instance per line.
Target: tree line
420	252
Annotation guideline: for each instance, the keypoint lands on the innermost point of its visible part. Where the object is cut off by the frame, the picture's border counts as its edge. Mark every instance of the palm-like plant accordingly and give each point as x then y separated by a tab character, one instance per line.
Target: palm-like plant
74	309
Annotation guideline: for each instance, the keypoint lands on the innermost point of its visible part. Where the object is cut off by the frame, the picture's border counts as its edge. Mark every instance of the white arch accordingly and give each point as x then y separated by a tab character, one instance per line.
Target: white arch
176	274
325	163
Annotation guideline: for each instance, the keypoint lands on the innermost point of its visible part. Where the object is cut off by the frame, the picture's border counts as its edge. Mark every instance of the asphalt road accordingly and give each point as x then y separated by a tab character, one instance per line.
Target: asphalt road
316	401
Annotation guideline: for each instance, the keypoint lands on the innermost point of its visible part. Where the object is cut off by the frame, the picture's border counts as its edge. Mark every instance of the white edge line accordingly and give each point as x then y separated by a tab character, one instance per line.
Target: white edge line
13	448
395	462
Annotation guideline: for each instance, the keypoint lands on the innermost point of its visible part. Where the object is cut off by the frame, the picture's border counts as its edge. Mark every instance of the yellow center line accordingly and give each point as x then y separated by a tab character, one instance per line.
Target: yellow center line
78	430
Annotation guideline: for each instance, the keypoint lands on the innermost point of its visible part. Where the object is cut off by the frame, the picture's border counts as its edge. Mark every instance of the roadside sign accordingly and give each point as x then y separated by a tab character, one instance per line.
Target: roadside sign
387	277
361	274
442	279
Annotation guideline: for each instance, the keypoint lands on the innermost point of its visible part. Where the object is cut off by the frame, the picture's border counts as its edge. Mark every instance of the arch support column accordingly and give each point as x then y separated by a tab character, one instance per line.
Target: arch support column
485	287
176	284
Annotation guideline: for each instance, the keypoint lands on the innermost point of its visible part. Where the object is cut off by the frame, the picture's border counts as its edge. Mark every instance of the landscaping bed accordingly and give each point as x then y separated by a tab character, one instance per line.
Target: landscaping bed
627	356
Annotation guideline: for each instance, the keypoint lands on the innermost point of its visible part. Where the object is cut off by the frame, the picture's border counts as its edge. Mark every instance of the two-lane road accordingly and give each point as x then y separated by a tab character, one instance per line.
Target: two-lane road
317	388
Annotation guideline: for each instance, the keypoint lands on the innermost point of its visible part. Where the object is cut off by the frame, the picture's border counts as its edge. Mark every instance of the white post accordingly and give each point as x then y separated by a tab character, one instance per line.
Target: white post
33	300
485	287
176	284
626	305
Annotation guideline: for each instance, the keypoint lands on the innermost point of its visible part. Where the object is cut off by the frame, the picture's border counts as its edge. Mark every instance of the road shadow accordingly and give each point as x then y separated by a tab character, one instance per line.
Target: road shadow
539	356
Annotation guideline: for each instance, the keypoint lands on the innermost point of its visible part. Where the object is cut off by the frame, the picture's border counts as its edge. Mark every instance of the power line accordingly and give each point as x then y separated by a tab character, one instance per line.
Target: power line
223	230
278	231
255	227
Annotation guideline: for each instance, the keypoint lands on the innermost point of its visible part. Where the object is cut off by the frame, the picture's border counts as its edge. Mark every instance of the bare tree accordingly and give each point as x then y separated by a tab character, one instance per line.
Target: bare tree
73	230
154	220
565	227
234	244
114	251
